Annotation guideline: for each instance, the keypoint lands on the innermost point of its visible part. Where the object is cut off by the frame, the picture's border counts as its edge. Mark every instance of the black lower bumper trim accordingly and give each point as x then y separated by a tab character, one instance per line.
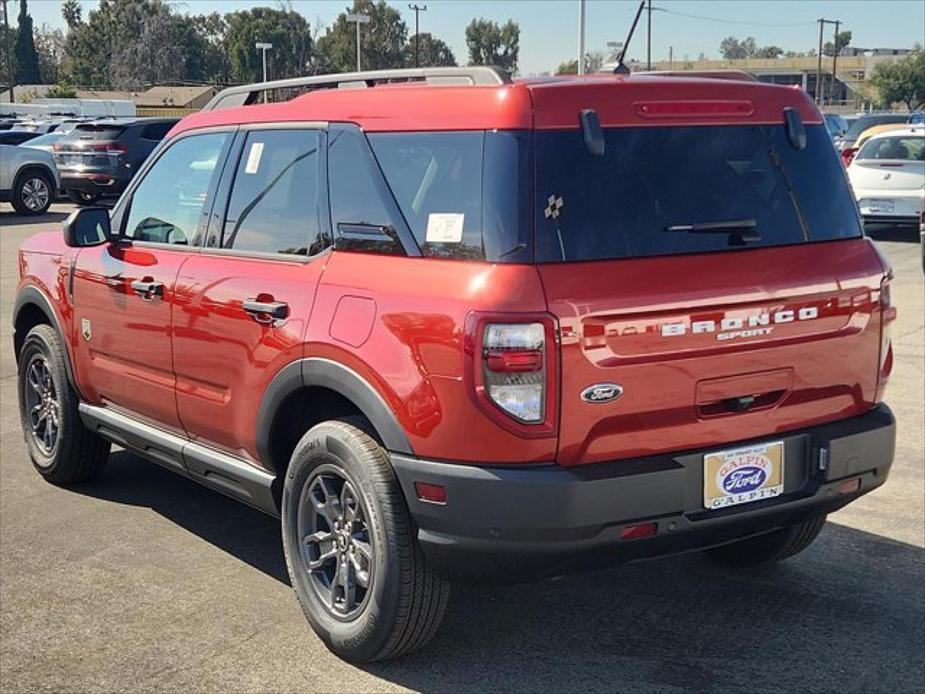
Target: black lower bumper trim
517	522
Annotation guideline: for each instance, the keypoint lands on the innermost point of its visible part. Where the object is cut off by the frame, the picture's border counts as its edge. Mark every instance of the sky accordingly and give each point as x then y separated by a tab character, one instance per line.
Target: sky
549	28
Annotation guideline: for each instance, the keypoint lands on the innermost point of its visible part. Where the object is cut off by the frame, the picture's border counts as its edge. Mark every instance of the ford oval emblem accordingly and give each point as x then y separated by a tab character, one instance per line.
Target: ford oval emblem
746	478
602	392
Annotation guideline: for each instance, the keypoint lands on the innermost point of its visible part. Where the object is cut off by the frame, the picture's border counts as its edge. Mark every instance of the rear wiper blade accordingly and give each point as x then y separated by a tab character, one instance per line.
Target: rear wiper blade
743	230
729	227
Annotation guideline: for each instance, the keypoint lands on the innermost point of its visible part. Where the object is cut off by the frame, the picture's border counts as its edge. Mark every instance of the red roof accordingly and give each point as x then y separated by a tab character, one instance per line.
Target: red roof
543	104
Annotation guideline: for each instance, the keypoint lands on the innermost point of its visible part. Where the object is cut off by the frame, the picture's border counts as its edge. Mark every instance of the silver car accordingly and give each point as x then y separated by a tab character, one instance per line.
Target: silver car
28	179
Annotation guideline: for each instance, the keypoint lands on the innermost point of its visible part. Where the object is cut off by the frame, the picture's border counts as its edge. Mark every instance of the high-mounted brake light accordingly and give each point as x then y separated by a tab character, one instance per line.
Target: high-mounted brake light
513	369
702	109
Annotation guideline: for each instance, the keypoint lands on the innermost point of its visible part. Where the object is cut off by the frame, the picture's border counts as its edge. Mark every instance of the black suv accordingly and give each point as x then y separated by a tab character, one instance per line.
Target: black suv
98	159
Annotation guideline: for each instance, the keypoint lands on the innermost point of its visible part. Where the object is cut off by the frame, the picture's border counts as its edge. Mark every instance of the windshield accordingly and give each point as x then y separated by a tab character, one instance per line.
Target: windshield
673	190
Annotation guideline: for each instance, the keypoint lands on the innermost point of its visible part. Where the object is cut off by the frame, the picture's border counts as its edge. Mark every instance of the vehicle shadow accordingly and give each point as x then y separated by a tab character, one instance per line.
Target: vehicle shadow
9	218
847	615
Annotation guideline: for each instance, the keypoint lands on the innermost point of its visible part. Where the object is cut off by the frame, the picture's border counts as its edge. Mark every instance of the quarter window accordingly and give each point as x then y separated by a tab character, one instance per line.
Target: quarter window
275	201
168	204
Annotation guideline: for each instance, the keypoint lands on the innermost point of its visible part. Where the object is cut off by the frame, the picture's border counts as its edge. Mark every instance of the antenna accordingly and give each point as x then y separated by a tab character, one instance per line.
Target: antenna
621	68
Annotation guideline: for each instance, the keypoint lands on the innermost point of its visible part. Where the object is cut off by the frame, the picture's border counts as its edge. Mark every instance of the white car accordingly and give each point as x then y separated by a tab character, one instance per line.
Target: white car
28	179
888	176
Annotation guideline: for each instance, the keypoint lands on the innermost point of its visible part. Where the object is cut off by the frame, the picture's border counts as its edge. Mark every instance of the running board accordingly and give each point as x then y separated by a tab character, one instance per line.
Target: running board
224	473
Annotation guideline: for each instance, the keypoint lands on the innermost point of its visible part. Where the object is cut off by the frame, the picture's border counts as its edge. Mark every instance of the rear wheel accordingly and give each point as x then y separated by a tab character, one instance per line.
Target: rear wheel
33	193
353	559
771	547
62	449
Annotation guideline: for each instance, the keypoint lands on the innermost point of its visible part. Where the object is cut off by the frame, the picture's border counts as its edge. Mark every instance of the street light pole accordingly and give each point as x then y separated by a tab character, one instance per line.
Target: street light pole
649	36
581	37
264	47
358	19
417	10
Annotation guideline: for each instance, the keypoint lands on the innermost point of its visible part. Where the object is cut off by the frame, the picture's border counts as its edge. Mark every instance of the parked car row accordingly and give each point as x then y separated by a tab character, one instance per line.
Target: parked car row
88	161
848	143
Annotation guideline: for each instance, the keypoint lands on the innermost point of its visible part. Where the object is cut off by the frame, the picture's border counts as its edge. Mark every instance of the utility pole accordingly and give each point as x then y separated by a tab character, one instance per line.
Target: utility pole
671	57
835	64
6	42
820	95
581	37
359	19
417	11
649	36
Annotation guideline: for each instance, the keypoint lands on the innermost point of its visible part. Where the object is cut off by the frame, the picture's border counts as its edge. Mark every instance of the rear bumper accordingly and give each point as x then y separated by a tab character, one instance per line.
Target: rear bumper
97	183
513	523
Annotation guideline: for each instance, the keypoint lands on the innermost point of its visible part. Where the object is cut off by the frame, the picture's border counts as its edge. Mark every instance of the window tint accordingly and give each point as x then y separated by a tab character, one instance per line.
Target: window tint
357	199
167	205
464	194
156	131
643	195
896	148
274	205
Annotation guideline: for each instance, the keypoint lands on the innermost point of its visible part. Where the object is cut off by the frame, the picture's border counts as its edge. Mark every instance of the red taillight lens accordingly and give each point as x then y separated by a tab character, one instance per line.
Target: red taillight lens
637	532
111	148
430	493
848	154
514	369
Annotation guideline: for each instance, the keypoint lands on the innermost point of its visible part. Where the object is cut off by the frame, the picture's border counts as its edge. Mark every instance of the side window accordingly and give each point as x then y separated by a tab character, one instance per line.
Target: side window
167	205
275	204
356	196
156	131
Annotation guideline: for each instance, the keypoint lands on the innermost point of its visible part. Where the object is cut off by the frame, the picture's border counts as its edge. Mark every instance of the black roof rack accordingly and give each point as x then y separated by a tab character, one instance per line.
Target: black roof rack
247	94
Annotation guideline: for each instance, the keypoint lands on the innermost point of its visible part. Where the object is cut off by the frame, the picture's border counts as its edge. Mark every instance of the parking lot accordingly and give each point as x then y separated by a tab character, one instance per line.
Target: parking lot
144	581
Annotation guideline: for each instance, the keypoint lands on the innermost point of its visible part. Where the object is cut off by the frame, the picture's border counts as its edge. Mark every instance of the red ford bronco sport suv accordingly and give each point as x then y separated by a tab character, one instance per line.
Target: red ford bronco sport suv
449	325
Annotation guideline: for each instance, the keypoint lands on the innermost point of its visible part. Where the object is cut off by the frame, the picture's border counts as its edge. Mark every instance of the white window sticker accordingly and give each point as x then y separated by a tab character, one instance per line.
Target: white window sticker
253	158
445	227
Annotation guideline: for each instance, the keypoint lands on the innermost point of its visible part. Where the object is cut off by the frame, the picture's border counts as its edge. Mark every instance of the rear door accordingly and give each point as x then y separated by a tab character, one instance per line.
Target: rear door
716	274
243	303
125	292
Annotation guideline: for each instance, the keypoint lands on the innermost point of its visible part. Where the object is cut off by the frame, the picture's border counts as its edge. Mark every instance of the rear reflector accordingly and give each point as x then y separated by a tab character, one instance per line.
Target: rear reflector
430	493
513	361
636	532
848	486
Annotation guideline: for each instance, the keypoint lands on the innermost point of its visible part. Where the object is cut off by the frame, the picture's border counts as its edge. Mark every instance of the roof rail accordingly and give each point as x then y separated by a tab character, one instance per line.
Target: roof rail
247	94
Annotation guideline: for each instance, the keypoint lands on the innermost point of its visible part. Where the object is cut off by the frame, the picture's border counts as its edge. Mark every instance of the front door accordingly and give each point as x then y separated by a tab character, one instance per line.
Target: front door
242	308
125	292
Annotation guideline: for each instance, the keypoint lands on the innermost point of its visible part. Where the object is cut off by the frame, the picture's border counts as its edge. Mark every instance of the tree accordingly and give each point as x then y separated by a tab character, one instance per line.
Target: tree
72	13
733	49
212	64
49	45
844	38
493	44
902	81
383	42
432	52
285	28
568	67
593	62
769	52
61	91
27	59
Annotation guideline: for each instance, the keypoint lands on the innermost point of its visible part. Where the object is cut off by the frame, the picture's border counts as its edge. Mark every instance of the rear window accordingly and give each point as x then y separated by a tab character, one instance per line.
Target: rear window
894	148
666	191
97	131
464	194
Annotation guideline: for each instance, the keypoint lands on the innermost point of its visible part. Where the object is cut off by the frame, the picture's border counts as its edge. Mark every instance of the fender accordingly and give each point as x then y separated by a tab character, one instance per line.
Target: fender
32	295
329	374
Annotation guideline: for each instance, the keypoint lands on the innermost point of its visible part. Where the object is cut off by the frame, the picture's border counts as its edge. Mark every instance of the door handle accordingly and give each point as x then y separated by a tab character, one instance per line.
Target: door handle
147	288
266	311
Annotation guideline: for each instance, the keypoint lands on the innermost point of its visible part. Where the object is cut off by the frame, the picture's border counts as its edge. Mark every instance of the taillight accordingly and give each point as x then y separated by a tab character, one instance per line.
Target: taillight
887	316
847	154
514	369
113	149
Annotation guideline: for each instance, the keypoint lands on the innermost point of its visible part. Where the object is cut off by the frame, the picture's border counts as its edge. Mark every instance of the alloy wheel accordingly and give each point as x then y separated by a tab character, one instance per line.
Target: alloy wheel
336	547
35	194
42	405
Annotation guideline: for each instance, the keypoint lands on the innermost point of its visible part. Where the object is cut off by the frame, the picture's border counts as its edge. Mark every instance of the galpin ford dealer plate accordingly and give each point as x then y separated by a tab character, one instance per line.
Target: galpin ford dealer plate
742	475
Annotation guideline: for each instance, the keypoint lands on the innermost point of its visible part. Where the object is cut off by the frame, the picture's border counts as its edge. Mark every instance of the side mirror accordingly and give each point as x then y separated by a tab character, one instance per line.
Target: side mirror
88	226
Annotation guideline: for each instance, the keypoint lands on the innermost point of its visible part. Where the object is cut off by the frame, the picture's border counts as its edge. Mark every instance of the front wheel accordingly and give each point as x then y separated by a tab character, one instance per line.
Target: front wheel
770	547
33	193
351	551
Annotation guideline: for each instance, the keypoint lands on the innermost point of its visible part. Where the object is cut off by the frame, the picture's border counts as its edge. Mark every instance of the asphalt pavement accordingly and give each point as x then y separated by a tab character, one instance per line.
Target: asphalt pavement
144	581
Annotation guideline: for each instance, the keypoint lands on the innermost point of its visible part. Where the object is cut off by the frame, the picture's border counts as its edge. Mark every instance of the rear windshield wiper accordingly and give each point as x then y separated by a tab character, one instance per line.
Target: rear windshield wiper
746	229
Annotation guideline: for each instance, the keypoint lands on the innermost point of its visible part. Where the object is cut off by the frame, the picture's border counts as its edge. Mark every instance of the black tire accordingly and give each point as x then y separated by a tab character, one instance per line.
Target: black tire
77	454
406	599
769	548
83	199
33	192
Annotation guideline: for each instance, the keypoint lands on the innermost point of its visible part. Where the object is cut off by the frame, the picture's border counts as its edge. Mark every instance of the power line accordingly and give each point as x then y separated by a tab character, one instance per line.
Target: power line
731	21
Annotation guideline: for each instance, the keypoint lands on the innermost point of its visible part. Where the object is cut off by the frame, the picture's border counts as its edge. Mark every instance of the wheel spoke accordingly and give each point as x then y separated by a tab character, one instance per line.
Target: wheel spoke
35	382
362	574
348	503
349	586
364	550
